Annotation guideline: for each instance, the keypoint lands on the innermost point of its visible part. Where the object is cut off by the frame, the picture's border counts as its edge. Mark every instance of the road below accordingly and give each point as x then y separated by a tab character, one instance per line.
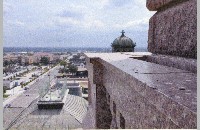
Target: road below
18	103
23	112
40	81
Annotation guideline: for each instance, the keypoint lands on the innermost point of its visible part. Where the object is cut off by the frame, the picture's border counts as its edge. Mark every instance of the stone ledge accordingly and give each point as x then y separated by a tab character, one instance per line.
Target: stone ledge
154	75
154	5
160	85
187	64
174	61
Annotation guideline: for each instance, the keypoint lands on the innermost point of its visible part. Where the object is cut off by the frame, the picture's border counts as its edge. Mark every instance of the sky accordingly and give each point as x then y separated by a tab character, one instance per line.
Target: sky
73	23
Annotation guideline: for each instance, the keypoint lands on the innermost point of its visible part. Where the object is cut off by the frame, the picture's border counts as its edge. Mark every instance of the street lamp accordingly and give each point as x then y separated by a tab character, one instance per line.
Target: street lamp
49	86
13	88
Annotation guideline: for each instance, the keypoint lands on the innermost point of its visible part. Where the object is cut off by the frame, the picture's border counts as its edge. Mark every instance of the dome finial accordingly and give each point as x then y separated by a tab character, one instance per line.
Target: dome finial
122	33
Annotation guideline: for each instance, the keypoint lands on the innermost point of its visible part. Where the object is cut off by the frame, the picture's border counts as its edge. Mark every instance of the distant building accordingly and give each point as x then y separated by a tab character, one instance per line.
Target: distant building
82	72
84	86
35	58
82	65
123	44
55	58
31	60
24	60
8	84
74	89
10	57
77	59
63	57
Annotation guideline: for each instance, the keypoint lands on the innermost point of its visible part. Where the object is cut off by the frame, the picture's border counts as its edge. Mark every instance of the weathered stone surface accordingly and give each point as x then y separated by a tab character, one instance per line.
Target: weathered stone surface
188	64
99	114
147	95
104	116
90	118
173	30
154	5
97	72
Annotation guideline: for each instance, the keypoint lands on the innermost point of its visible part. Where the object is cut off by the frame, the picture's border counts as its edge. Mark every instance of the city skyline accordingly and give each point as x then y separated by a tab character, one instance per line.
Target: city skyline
73	24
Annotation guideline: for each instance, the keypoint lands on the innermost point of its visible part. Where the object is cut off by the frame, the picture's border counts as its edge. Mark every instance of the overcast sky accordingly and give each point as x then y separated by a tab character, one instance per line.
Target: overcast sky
73	23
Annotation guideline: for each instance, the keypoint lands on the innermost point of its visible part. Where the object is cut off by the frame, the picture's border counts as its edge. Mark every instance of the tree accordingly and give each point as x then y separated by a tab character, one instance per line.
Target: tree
6	63
64	63
36	64
73	69
63	70
44	60
19	60
4	90
57	61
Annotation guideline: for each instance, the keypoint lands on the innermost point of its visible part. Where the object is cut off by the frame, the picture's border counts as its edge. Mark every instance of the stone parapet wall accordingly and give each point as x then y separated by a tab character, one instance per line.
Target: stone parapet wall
143	106
90	118
132	93
174	61
154	5
173	28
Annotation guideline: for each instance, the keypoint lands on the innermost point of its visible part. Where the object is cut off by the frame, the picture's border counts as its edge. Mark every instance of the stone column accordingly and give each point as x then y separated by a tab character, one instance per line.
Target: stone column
173	28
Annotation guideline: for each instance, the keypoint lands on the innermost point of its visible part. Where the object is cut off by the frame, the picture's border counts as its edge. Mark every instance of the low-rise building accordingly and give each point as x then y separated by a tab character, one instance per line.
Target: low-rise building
82	72
8	84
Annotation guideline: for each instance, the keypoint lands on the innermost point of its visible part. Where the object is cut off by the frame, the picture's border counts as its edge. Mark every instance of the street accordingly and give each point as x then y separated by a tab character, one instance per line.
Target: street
33	86
23	113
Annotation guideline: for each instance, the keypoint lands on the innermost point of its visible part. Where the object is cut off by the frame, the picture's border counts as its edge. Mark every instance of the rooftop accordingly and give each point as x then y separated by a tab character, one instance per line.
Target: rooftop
69	117
23	113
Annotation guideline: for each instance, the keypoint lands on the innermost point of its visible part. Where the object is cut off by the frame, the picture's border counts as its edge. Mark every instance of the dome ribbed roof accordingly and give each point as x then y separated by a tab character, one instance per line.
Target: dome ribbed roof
123	41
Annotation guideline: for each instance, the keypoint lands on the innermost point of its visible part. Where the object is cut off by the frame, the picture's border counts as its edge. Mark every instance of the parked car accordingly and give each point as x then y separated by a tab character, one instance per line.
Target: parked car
7	105
26	88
